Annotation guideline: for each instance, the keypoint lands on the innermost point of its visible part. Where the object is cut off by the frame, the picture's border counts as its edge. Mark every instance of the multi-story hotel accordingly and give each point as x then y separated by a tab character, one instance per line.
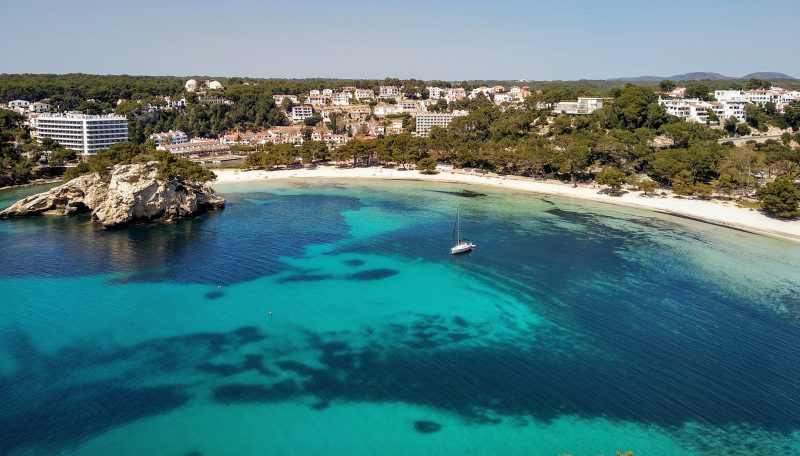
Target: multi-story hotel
428	120
83	133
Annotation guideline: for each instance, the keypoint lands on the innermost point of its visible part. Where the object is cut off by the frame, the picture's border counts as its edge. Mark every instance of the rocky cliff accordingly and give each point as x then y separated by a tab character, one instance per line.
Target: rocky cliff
121	195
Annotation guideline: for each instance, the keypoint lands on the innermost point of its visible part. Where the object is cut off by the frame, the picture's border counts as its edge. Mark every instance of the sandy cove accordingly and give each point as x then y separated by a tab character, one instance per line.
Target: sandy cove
725	213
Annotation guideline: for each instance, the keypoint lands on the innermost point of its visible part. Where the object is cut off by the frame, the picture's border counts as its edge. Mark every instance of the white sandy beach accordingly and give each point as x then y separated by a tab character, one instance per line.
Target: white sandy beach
719	212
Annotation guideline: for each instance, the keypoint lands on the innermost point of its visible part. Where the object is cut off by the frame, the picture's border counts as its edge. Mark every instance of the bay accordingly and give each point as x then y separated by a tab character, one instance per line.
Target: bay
574	327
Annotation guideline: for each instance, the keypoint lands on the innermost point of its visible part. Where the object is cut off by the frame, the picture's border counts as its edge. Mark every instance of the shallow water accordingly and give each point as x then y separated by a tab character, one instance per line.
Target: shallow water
573	327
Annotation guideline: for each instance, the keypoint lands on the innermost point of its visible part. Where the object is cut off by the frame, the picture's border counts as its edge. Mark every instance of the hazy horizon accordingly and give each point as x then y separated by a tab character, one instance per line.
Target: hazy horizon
571	40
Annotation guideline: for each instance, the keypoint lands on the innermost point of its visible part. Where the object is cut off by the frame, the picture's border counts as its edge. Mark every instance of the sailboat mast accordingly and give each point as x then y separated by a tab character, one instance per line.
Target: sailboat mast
458	226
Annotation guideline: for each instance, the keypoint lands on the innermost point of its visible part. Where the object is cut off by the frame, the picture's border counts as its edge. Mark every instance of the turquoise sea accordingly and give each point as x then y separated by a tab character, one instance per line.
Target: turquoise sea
574	328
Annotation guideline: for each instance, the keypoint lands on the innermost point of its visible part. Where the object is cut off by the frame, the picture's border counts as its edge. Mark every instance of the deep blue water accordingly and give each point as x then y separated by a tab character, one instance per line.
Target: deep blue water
573	327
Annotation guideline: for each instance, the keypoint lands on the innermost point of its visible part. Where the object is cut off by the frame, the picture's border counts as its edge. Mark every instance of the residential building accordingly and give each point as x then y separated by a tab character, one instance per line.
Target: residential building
385	109
503	98
777	95
486	91
395	126
39	106
435	92
678	92
211	100
274	135
301	113
341	99
428	120
329	138
314	93
327	92
408	106
198	147
317	100
19	105
454	94
364	94
357	111
279	98
169	137
172	104
520	93
389	91
696	110
584	105
789	97
82	133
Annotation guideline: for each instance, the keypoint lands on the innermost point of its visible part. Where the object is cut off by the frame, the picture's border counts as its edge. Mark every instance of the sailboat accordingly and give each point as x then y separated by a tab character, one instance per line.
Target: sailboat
461	245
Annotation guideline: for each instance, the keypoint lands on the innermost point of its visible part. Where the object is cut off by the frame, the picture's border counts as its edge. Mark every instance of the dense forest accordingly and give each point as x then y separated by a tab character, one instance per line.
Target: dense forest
629	141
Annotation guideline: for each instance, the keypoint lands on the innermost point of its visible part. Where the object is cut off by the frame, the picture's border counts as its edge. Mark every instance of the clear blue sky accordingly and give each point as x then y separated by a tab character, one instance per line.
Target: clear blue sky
468	39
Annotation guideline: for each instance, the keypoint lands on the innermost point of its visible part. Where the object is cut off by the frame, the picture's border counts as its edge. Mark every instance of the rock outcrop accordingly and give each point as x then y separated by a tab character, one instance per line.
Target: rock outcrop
121	195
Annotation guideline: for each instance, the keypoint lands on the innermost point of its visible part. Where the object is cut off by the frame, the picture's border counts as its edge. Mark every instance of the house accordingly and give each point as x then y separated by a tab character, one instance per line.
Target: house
520	93
314	93
169	137
454	94
317	100
39	106
385	109
500	98
279	98
364	94
327	92
169	103
210	100
434	93
408	106
19	105
388	91
341	99
395	126
677	92
487	91
584	105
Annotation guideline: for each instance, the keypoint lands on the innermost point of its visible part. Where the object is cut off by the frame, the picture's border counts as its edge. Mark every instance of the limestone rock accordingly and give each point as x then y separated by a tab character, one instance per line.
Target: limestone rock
121	195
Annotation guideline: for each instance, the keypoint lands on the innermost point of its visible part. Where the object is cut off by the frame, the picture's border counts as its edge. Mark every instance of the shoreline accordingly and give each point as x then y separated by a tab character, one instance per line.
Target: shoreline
31	184
721	213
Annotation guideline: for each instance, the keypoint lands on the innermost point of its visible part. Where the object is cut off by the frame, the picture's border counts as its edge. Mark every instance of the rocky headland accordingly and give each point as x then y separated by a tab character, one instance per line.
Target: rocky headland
121	195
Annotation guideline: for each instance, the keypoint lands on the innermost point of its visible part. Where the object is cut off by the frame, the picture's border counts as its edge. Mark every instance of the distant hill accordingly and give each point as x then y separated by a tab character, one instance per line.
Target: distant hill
699	76
705	76
768	75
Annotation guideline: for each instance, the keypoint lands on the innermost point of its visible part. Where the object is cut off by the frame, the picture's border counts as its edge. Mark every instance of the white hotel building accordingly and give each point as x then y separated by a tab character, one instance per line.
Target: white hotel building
80	132
428	120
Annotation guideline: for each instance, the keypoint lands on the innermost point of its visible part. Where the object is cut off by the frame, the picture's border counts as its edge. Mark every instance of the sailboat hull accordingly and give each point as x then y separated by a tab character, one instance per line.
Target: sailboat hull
462	247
